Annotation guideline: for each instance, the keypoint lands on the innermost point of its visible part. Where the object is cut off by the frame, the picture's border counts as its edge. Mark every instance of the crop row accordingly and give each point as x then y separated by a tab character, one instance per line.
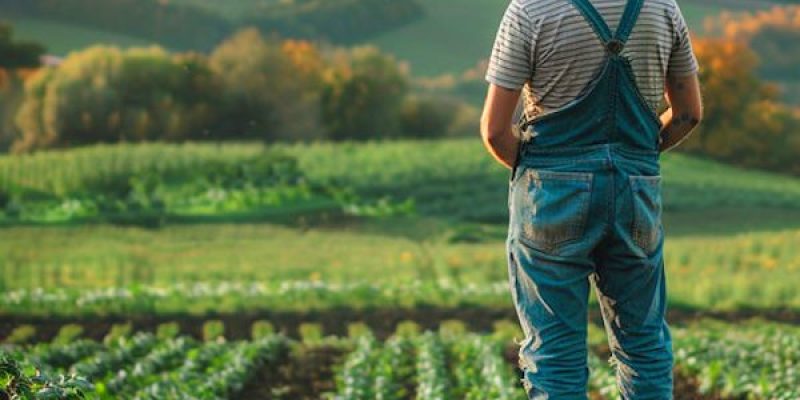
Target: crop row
144	366
753	360
227	296
758	363
755	287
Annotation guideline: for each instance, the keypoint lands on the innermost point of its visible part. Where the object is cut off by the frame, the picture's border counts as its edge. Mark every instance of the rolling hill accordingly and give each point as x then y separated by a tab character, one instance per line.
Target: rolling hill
452	38
463	34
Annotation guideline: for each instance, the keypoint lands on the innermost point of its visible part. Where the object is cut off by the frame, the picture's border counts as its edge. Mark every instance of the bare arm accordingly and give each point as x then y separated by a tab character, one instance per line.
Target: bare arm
685	113
496	124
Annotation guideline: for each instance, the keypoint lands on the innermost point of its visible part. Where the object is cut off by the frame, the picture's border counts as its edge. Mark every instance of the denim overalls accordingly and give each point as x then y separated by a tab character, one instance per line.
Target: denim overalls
585	203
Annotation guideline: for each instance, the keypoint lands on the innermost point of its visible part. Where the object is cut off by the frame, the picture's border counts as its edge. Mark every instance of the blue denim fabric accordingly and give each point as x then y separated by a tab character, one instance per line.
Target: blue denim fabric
585	205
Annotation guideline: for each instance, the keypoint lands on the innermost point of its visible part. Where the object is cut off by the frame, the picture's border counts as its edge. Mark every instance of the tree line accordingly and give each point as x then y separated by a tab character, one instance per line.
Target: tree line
250	87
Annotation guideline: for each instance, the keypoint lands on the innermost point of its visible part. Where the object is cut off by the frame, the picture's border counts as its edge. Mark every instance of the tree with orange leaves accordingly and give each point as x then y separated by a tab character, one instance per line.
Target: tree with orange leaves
745	123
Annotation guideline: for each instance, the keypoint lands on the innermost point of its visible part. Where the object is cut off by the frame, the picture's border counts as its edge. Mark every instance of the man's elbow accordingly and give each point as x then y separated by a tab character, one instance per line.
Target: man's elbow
690	117
492	131
696	118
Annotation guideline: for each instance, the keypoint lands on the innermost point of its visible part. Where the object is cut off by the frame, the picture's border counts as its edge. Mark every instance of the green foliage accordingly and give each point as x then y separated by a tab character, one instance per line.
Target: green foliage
755	360
715	272
68	334
432	376
139	367
213	330
376	371
747	359
142	185
271	88
168	330
21	334
310	332
363	95
117	332
357	329
426	118
24	382
104	95
261	330
407	328
248	88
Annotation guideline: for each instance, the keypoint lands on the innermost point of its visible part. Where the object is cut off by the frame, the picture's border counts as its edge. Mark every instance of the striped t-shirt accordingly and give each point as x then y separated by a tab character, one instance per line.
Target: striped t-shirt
547	47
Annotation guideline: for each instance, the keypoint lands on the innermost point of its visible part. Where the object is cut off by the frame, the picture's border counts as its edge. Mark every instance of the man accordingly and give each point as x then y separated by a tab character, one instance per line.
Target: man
585	186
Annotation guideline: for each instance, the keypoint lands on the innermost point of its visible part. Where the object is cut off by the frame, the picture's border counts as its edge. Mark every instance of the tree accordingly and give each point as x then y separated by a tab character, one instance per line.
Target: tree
104	94
426	117
745	124
363	94
271	88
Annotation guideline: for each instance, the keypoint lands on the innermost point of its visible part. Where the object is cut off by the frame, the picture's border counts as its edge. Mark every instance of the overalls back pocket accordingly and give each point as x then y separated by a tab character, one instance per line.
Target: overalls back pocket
549	208
646	200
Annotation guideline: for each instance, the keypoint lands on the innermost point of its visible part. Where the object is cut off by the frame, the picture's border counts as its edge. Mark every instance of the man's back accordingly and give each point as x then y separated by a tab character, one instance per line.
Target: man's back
585	185
551	39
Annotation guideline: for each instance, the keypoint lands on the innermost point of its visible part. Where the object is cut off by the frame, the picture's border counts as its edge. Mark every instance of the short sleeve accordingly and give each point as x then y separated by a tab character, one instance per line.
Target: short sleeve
682	61
511	62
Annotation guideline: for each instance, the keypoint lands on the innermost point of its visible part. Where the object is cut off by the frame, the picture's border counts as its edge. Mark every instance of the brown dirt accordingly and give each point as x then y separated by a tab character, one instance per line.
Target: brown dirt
305	374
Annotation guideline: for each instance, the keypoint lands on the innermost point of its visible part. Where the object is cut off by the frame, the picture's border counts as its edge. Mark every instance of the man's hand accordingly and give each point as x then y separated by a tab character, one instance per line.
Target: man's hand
685	113
498	110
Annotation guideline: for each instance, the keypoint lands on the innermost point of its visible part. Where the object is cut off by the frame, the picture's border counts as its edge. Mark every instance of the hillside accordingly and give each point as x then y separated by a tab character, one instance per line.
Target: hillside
61	38
463	34
451	39
202	24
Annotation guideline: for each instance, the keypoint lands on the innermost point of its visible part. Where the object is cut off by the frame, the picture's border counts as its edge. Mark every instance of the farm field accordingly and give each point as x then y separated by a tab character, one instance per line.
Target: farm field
754	360
353	271
342	212
190	269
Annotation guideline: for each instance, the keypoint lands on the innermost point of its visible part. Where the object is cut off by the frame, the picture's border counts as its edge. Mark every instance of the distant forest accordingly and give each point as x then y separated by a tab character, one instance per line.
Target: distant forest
188	25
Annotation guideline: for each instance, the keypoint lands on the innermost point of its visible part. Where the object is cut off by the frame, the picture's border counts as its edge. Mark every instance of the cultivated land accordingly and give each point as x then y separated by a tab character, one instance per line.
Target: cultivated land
354	269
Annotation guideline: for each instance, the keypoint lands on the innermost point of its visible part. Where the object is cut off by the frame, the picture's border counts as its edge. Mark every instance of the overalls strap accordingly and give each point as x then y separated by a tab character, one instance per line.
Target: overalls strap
629	18
615	42
594	18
